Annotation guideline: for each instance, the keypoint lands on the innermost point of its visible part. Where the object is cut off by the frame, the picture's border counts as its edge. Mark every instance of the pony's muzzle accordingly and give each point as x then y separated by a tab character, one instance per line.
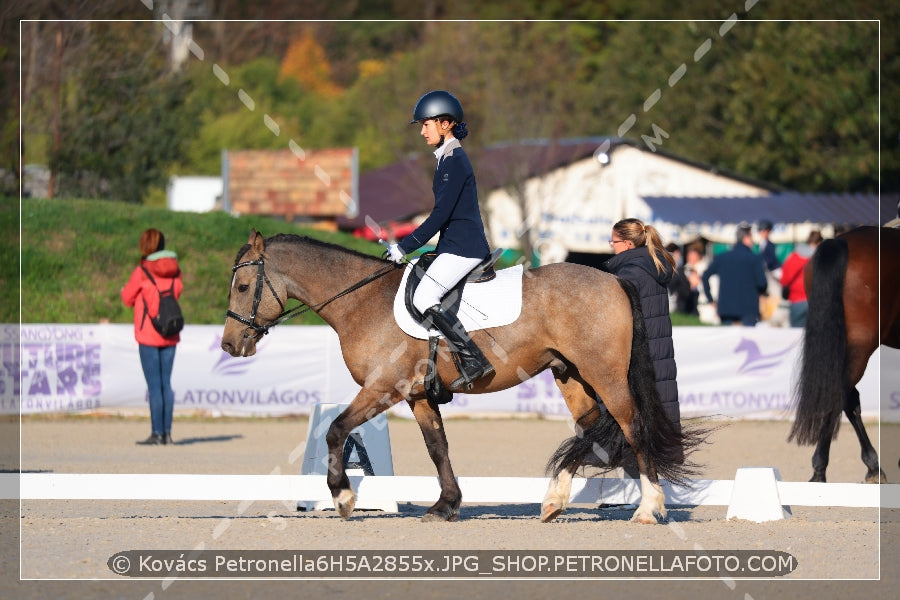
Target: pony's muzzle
245	348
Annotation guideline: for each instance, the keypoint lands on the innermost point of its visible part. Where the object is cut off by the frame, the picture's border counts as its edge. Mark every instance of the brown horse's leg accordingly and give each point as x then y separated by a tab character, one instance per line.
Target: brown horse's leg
365	406
821	455
868	452
859	353
428	416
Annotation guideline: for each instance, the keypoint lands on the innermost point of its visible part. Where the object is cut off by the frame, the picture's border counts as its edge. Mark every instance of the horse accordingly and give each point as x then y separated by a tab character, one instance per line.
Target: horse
583	324
843	328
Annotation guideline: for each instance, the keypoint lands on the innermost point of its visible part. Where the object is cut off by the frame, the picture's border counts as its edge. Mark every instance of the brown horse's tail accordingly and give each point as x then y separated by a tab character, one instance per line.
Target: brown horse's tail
819	389
663	445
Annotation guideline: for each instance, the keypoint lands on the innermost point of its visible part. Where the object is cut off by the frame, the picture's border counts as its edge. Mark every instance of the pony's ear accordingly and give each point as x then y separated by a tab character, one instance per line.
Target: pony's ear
257	241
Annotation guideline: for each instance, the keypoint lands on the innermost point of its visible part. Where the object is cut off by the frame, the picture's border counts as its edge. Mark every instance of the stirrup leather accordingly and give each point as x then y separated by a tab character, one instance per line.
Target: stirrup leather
469	360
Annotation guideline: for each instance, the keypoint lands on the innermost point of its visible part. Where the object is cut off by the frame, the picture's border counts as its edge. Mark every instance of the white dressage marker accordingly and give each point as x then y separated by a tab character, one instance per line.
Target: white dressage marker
755	497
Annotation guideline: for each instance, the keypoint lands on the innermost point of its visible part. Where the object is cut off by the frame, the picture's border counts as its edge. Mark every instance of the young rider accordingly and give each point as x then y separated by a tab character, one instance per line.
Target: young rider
462	244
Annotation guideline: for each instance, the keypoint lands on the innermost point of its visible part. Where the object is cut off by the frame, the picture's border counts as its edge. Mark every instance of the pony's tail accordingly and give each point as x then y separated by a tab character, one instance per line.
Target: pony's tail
819	390
663	445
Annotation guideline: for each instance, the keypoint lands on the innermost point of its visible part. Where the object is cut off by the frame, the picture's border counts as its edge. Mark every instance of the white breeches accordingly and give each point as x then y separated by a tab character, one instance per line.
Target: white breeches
443	274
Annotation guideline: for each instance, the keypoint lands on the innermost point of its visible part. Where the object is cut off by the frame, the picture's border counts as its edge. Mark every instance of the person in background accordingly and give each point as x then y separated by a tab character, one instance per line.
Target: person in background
686	285
675	250
742	280
156	352
792	278
456	216
641	258
767	248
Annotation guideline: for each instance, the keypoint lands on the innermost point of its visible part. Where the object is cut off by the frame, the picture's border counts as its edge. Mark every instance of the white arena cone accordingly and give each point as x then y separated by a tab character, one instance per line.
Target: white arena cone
755	497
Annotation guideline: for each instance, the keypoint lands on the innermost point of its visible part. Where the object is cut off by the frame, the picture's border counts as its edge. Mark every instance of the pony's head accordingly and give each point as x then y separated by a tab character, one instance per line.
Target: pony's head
255	299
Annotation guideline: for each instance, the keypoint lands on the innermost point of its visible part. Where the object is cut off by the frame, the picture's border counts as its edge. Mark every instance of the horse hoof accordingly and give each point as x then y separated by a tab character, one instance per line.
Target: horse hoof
644	518
440	517
876	478
345	502
434	518
550	512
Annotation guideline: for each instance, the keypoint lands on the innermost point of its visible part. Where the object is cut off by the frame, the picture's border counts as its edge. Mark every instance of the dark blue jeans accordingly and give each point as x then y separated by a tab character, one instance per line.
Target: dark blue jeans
157	364
797	313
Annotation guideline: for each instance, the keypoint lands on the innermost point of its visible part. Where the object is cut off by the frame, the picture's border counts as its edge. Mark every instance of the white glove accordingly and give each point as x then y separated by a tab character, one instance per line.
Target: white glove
395	254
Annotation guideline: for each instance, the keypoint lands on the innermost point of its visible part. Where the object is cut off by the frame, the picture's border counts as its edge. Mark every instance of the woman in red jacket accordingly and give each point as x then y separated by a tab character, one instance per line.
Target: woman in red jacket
792	278
157	352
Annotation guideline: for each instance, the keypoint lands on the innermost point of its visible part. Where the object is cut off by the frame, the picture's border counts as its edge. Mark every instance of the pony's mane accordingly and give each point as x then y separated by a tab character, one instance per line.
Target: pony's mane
292	238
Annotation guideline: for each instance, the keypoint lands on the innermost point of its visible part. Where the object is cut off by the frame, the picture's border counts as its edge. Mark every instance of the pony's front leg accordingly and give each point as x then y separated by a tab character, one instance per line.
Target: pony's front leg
557	497
428	416
364	407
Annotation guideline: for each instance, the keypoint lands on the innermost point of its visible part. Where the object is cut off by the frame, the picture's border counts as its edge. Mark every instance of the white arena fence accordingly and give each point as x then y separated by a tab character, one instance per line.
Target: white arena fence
734	372
755	494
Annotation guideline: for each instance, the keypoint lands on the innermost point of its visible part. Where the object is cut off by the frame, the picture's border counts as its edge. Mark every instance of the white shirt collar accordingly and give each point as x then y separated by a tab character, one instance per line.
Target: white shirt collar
439	151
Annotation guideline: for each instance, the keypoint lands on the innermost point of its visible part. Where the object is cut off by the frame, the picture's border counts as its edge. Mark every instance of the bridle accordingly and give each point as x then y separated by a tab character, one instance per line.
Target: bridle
260	330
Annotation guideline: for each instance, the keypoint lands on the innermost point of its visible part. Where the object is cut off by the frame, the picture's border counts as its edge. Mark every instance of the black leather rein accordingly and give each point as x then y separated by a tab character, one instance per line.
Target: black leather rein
261	277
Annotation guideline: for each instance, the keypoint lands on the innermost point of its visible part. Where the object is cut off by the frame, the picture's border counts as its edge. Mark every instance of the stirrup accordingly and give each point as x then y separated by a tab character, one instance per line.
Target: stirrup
466	381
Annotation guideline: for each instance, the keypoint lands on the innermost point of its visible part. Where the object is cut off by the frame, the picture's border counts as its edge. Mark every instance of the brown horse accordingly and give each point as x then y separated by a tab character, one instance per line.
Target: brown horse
843	328
583	324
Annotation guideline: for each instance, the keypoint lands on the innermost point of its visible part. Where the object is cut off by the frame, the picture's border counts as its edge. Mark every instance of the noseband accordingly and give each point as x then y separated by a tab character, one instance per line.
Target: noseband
258	330
261	277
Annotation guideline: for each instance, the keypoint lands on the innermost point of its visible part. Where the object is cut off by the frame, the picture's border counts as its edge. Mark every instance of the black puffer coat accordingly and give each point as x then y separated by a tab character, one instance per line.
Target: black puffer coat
637	266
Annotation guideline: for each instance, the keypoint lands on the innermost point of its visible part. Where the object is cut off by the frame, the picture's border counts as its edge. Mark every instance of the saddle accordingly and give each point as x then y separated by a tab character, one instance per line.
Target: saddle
434	387
483	271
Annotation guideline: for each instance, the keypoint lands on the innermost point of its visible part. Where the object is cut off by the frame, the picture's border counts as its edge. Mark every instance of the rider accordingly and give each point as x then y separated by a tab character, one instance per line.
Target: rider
462	244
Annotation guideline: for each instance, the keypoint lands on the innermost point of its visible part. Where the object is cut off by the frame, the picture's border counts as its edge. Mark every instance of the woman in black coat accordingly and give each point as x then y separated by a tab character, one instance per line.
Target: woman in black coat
641	258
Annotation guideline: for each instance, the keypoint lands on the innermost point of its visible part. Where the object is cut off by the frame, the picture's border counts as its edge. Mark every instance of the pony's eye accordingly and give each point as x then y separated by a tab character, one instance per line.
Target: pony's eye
243	287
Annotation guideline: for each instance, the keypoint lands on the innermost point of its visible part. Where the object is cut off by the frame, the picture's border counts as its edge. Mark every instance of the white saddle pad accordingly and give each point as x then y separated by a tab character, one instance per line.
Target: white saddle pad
488	304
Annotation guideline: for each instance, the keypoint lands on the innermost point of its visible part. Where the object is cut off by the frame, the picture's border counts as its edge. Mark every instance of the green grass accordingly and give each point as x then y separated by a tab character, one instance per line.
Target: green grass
77	254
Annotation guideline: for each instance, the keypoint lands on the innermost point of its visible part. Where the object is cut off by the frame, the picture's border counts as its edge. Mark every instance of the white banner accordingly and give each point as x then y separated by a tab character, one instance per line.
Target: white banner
727	371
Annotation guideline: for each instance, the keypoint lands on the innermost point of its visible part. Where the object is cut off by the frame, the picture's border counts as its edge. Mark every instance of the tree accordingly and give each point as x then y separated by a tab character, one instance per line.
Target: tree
306	62
794	104
124	120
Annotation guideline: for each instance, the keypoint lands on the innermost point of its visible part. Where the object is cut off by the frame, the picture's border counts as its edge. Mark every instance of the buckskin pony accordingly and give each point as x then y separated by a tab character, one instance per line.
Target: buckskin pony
583	324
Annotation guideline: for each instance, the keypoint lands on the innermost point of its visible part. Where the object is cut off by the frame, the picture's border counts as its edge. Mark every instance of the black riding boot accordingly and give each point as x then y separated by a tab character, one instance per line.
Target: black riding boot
471	362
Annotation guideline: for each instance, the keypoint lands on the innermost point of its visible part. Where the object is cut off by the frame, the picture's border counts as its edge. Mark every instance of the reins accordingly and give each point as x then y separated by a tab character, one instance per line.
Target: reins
261	277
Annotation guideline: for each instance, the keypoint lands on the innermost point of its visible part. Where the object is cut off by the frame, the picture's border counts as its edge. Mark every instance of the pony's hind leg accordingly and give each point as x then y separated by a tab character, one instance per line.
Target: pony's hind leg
428	416
557	497
596	434
653	500
582	406
620	404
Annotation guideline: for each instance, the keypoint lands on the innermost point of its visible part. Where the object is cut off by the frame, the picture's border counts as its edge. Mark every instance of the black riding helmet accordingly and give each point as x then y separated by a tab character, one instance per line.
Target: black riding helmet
437	104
